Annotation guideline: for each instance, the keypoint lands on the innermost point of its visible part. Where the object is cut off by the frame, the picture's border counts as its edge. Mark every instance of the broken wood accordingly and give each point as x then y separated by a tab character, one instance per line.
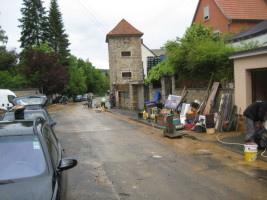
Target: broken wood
211	98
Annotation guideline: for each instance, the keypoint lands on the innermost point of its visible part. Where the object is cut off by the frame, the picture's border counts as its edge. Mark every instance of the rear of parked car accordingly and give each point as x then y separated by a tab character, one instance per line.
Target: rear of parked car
32	164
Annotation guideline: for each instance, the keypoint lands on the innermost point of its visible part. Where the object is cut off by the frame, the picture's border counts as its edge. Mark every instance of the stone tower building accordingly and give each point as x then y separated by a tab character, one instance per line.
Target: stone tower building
125	65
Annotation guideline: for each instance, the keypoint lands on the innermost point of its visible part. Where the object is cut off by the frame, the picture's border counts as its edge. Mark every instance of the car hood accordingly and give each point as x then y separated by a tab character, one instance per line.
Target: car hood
27	189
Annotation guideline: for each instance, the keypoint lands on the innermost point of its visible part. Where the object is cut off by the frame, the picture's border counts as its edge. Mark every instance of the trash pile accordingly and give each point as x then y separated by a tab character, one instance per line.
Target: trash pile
199	115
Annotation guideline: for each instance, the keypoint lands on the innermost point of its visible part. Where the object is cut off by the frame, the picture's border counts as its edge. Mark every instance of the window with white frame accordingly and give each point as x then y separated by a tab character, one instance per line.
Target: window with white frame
206	13
217	31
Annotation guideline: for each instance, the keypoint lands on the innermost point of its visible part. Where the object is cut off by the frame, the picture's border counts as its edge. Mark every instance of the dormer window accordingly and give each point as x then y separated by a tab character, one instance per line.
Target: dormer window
206	13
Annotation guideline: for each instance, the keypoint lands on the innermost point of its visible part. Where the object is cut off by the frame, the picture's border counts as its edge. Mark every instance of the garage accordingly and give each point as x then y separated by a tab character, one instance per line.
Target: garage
250	72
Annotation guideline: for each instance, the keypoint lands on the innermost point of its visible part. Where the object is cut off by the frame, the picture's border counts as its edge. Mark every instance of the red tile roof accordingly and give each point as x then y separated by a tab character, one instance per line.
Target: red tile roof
244	9
124	28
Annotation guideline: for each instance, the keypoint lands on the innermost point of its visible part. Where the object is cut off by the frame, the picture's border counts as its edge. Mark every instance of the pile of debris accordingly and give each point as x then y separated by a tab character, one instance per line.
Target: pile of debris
199	116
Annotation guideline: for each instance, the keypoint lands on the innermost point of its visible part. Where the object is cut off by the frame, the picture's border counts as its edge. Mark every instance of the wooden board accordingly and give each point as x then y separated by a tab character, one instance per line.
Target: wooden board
220	113
226	109
211	98
232	118
203	102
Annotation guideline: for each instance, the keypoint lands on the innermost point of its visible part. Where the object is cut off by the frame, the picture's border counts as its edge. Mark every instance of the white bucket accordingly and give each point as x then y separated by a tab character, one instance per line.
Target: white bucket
251	147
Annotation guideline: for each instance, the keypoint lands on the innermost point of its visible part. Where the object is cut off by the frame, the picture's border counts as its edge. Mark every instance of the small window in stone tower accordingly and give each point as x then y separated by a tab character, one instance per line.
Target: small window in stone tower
125	53
206	13
126	74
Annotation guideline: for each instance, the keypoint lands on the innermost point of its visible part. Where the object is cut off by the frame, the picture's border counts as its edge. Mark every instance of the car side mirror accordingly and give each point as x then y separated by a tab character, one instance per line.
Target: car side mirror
67	163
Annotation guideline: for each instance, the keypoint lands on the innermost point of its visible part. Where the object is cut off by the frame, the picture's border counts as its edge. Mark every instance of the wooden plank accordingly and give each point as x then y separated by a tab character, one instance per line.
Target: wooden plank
220	113
211	98
226	109
232	118
203	102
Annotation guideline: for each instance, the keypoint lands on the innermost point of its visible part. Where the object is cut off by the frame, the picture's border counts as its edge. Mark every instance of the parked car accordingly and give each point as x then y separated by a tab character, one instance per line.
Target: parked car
77	98
85	97
28	113
32	161
61	99
28	107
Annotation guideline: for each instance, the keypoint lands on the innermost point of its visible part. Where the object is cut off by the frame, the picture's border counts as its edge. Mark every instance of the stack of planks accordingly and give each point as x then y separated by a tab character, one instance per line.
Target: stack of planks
225	116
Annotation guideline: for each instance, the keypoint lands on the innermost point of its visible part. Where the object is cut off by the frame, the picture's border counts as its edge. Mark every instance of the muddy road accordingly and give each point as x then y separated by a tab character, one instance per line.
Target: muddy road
123	159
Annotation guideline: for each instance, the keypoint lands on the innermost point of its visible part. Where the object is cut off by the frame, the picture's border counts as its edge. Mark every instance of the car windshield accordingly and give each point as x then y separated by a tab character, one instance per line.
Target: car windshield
28	114
21	157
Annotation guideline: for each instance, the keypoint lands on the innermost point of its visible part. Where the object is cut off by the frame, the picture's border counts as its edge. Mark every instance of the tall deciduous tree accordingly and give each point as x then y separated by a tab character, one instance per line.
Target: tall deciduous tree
3	36
7	58
10	75
58	39
195	57
77	79
34	23
43	70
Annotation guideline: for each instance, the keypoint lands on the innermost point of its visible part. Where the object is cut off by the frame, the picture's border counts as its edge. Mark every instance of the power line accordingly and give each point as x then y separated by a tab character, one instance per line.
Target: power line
92	15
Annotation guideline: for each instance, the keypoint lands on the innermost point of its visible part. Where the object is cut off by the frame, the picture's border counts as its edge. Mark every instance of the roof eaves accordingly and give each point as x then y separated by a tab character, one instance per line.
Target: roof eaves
250	52
258	29
222	10
195	13
148	49
121	35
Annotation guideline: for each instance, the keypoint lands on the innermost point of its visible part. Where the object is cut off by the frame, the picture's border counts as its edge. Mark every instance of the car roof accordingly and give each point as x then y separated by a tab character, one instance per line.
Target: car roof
17	128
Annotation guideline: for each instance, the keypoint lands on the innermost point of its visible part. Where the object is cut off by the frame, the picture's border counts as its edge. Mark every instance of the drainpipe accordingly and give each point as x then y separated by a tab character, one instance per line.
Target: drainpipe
228	27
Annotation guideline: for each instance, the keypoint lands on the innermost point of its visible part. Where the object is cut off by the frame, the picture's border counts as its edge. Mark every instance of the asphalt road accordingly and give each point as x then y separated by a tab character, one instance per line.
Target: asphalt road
122	159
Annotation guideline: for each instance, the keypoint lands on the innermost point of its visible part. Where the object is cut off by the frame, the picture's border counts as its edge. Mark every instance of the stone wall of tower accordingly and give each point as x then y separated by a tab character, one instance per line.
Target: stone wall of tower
119	64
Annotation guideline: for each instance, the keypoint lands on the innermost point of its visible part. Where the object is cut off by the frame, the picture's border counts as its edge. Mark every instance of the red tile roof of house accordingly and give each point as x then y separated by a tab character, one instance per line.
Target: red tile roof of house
244	9
124	28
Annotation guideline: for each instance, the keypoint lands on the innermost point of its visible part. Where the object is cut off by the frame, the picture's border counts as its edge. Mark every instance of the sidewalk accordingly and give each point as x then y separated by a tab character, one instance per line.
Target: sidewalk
226	138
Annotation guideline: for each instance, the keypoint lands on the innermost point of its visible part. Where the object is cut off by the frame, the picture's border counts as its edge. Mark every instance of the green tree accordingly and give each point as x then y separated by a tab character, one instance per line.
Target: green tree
161	69
96	81
34	23
77	79
10	77
43	70
58	39
197	56
3	36
8	59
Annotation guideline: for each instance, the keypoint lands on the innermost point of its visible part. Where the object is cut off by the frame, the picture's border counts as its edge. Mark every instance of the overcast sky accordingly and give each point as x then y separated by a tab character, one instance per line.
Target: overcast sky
87	23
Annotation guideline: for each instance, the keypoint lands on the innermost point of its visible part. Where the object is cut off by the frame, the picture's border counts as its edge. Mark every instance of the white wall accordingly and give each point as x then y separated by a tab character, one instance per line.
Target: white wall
145	53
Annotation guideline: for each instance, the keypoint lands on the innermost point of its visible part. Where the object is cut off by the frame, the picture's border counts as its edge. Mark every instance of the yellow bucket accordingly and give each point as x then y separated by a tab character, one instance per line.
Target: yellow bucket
251	155
251	151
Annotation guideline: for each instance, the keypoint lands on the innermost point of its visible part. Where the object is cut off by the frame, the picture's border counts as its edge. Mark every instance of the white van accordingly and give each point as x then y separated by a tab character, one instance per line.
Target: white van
6	98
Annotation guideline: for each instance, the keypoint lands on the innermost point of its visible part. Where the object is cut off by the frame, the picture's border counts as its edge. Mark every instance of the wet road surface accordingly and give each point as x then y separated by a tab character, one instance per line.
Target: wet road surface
122	159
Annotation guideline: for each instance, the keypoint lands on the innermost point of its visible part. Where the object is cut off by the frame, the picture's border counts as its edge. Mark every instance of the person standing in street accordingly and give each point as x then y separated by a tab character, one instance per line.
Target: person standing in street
90	100
254	116
112	100
103	102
